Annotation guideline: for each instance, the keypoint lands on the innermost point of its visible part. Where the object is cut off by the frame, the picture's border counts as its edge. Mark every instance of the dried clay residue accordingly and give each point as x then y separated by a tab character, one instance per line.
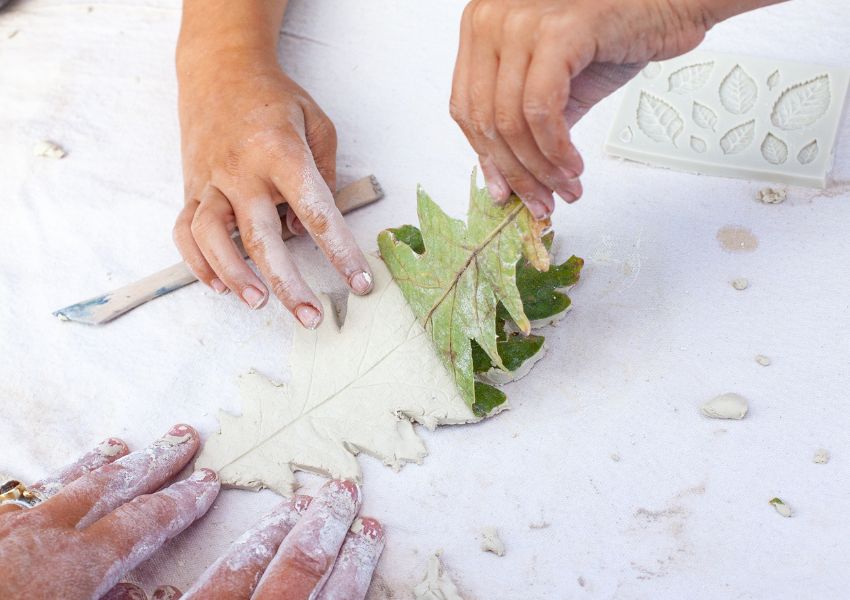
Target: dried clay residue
734	238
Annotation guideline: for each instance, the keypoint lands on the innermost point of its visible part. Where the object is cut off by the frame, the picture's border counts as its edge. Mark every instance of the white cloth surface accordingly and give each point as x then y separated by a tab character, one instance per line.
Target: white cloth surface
657	328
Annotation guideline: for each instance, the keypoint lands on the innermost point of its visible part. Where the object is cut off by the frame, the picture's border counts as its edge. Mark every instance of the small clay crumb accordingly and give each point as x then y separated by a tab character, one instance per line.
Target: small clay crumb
726	406
581	581
782	508
615	457
741	283
763	360
48	149
491	542
821	456
539	525
772	196
13	34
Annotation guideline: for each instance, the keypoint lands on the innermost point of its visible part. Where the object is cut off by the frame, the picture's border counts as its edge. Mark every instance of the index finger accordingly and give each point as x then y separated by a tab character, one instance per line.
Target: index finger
298	180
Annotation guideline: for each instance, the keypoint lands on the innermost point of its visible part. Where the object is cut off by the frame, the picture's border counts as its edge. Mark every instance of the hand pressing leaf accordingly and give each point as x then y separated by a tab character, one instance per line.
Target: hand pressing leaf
455	276
358	389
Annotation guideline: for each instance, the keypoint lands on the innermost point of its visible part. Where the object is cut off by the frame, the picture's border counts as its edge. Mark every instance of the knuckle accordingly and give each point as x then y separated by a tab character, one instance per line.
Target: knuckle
457	109
315	216
536	111
284	289
509	124
482	15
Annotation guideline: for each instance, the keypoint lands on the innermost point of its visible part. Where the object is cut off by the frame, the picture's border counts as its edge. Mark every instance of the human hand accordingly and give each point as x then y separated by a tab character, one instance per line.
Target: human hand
305	548
91	526
100	517
528	70
253	139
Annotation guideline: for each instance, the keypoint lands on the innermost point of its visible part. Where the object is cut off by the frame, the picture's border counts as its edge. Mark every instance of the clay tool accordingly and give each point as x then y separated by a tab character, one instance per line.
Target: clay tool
111	305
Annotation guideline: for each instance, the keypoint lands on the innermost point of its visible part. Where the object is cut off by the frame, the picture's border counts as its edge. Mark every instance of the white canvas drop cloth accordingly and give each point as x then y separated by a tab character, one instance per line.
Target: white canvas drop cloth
657	328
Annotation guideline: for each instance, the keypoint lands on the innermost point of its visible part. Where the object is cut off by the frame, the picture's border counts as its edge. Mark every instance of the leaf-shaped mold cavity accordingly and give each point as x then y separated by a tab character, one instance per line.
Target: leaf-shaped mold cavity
698	144
808	153
738	91
652	70
690	78
802	104
774	150
738	138
704	116
658	120
773	80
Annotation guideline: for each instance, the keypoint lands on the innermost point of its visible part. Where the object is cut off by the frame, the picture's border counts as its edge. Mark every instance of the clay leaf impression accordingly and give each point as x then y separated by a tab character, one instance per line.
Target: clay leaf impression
738	138
359	388
801	105
658	120
738	91
458	275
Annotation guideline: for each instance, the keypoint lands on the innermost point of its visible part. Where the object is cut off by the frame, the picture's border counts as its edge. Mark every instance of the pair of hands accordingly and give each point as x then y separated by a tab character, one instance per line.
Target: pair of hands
526	71
103	516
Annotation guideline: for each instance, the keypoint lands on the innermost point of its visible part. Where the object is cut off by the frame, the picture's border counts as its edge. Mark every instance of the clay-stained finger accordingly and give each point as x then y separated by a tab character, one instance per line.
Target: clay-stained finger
87	499
133	532
166	592
192	255
261	229
236	572
106	452
306	556
212	227
125	591
300	182
352	572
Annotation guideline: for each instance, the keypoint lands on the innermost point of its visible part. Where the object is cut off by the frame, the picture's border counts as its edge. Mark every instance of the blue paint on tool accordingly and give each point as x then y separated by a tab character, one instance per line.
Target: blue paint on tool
81	310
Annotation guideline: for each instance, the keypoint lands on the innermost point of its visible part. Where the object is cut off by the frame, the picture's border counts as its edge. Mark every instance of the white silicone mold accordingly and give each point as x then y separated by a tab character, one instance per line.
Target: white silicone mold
736	116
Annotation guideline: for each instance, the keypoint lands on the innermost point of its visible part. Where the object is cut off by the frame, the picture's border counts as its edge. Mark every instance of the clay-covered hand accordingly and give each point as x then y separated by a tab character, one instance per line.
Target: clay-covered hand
527	70
305	548
101	517
253	139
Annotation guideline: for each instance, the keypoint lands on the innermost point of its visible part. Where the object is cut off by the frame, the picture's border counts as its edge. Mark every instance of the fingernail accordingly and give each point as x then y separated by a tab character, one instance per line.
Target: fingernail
111	447
361	282
253	297
166	592
496	191
205	475
369	528
302	502
179	430
566	195
309	316
218	286
538	210
349	487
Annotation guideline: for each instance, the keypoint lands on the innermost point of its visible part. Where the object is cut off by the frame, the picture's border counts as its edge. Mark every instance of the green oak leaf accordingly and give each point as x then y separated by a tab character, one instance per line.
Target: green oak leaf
455	275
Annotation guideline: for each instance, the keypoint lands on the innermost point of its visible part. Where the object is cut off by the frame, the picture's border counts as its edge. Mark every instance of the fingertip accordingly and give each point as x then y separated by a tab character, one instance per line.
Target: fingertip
345	486
204	475
309	316
361	283
368	528
112	448
166	592
218	286
254	297
181	433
